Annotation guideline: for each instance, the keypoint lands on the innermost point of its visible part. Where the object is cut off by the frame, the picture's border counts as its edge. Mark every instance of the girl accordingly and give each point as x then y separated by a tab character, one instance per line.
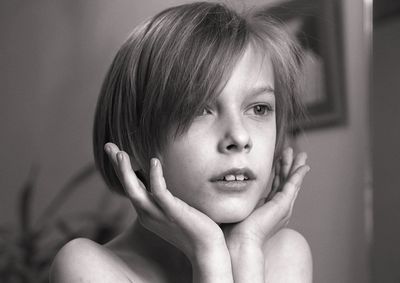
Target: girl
206	95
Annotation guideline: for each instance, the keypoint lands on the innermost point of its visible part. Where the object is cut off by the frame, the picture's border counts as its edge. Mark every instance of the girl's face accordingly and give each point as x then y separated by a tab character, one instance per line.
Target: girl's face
223	163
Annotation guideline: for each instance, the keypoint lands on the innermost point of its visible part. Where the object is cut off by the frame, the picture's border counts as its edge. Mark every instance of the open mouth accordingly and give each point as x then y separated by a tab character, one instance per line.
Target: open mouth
231	177
234	175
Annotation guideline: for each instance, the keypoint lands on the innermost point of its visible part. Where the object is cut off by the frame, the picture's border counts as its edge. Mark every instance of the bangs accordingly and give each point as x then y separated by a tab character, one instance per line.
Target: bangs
202	46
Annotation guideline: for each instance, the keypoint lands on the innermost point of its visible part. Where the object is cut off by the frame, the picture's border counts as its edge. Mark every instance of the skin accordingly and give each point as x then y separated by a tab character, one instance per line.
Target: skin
188	228
238	131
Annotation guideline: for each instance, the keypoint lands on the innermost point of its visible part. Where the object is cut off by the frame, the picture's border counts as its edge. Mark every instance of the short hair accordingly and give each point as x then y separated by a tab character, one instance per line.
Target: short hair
173	65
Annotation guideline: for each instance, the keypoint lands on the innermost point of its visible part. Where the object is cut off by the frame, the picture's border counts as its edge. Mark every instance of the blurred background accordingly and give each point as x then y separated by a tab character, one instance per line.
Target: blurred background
53	57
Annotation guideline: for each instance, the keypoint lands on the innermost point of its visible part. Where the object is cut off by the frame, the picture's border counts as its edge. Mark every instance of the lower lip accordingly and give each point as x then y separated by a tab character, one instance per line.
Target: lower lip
232	186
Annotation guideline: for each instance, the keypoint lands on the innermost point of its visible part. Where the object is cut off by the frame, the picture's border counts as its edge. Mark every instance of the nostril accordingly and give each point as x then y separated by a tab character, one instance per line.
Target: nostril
231	147
232	142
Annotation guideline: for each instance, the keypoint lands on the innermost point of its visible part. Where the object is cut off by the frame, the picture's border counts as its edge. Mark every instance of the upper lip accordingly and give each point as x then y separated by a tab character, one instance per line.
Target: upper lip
234	171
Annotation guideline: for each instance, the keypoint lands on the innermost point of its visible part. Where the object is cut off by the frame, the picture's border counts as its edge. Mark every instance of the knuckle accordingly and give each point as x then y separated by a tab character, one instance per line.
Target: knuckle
284	197
159	196
278	198
292	185
303	155
156	194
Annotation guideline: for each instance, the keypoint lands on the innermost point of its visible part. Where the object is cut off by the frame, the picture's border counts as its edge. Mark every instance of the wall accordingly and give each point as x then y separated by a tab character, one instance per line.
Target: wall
53	57
385	102
330	210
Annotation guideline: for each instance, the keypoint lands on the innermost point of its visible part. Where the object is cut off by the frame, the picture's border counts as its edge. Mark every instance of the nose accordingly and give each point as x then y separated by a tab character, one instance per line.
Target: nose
235	138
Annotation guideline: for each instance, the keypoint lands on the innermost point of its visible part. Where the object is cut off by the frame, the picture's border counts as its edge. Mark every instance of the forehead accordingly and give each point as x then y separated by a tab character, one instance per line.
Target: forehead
253	72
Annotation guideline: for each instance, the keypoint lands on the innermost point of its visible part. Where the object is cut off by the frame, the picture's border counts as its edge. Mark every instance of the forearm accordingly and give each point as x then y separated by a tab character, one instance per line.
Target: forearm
247	263
214	266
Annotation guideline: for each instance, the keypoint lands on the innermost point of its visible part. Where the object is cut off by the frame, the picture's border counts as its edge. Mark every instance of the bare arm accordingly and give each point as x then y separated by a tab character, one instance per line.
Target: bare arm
82	260
288	258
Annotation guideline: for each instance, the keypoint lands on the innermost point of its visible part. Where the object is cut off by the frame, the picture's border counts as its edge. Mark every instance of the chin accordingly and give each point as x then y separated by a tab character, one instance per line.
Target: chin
224	214
229	219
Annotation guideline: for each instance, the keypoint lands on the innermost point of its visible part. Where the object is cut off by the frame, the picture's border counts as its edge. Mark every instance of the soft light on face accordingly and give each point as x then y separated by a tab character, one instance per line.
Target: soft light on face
222	164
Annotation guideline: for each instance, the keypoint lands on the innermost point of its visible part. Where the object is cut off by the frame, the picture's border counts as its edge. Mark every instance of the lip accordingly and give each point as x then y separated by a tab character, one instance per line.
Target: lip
234	171
233	186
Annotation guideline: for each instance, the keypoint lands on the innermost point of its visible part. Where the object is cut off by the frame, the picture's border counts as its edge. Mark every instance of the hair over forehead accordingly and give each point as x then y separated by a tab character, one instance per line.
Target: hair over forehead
174	64
189	51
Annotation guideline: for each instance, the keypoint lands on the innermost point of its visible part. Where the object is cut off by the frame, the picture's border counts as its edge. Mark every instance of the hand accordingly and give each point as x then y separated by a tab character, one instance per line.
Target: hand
275	213
169	217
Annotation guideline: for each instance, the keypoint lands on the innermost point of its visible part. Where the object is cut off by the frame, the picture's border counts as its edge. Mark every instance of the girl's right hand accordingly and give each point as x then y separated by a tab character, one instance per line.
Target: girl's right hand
190	230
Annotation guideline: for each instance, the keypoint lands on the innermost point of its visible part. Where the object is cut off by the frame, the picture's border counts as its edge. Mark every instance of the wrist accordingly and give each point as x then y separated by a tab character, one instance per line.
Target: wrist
244	243
248	262
212	265
205	255
245	248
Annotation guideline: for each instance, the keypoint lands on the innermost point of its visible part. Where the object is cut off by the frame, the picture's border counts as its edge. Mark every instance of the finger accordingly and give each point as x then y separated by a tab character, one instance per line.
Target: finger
286	163
307	169
134	188
112	150
298	161
275	182
294	182
281	205
159	190
137	194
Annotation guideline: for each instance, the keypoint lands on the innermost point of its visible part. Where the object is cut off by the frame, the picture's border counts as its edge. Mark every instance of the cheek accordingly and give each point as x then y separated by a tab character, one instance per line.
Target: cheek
264	137
184	165
264	150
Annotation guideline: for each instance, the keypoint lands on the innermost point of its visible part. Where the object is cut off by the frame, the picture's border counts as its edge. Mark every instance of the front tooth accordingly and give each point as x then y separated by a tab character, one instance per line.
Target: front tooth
230	178
240	177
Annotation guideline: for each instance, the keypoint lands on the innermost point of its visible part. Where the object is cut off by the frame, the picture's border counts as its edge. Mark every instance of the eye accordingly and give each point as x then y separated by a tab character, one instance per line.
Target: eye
205	111
261	109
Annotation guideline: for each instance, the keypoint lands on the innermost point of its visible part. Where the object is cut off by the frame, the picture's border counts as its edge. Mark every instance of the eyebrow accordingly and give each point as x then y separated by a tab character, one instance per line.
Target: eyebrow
262	89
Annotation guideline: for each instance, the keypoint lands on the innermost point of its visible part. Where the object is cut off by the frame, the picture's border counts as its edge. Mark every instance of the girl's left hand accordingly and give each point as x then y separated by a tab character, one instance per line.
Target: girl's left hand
275	213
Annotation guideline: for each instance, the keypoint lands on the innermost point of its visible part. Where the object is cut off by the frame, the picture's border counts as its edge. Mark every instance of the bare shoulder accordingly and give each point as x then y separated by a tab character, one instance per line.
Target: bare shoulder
288	257
82	260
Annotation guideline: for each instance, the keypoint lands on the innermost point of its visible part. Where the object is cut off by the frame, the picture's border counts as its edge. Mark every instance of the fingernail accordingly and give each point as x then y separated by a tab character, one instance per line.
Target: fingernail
308	169
154	162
